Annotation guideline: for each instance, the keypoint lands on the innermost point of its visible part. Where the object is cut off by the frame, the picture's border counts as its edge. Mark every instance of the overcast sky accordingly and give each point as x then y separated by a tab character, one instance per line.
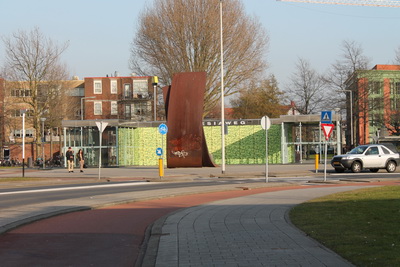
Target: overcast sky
100	32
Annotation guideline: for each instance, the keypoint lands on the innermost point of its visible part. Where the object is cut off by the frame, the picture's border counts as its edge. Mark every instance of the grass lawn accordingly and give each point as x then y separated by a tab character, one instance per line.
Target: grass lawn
362	226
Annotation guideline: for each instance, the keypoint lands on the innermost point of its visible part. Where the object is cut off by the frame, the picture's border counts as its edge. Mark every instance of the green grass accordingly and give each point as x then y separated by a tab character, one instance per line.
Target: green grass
362	226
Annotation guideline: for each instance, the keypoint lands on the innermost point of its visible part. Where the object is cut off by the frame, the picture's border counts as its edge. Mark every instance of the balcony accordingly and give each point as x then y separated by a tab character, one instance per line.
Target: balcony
137	96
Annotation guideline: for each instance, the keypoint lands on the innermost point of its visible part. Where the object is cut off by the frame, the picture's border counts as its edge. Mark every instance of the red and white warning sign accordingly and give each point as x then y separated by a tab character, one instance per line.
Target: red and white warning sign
327	128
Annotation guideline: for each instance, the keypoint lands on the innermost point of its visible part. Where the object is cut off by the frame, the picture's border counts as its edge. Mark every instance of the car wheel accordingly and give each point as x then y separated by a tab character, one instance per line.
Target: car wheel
356	167
391	166
374	170
339	170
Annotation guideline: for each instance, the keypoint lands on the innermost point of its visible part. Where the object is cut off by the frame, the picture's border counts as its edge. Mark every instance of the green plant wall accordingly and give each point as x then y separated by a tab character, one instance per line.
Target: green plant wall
244	144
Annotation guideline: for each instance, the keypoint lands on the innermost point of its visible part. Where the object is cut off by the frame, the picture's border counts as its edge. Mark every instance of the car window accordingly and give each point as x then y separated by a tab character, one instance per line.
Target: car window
358	150
372	151
385	150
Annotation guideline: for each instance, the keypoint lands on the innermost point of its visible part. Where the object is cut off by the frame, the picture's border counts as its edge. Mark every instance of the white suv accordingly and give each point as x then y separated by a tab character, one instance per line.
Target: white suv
372	157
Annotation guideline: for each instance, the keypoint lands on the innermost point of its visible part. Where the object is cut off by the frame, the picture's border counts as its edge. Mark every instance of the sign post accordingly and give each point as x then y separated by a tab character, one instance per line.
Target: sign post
101	125
327	129
163	129
266	124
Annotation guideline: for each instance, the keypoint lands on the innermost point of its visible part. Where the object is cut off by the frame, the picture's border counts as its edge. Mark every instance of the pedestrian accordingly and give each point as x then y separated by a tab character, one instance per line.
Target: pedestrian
70	159
81	159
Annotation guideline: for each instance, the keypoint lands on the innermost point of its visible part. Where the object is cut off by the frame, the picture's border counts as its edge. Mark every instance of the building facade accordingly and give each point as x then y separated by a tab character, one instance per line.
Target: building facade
124	98
374	103
41	123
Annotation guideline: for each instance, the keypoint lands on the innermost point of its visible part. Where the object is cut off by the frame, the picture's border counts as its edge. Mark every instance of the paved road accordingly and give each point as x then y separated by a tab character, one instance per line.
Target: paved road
111	236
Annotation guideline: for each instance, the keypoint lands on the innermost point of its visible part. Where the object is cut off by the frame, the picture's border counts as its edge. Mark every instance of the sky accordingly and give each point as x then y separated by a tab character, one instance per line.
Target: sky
100	32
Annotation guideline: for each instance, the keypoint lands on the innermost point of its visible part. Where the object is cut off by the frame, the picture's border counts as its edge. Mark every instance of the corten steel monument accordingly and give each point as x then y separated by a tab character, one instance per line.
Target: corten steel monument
184	99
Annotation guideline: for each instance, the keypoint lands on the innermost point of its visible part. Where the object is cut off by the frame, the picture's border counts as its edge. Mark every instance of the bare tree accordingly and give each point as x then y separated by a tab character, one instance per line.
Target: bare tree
263	98
184	36
307	88
351	61
32	66
397	56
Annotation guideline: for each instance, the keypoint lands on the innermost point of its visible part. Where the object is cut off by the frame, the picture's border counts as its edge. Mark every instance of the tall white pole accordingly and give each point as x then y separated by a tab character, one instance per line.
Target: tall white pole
155	102
23	143
351	118
43	147
222	93
100	137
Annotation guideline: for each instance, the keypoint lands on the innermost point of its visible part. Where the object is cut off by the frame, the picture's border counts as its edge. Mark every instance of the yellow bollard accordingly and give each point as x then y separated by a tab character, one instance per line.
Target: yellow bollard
316	162
160	167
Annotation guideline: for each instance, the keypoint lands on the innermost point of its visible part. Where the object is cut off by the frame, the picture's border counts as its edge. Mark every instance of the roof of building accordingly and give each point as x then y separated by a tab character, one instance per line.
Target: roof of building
386	67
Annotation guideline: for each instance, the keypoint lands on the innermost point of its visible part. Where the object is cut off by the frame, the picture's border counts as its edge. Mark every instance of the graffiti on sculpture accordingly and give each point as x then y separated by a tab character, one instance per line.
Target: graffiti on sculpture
184	99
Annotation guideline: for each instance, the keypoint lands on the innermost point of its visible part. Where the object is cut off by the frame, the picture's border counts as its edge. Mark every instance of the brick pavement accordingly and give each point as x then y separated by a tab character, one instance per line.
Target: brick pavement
253	230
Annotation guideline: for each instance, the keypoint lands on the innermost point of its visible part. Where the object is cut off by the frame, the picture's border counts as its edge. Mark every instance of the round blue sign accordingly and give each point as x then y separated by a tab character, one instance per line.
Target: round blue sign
163	129
159	151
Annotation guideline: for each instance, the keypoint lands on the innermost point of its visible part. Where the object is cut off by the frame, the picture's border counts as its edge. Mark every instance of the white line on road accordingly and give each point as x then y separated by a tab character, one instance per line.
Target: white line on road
72	188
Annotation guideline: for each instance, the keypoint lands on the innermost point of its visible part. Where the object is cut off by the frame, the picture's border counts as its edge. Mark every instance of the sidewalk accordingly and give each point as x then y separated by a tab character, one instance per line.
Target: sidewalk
246	231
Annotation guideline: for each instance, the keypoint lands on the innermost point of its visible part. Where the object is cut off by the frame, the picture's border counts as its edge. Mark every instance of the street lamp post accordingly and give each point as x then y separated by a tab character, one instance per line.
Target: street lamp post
351	115
83	98
222	93
43	158
23	111
155	82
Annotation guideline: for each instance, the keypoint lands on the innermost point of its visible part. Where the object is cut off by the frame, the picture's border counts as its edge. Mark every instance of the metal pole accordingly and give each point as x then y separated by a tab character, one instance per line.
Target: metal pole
83	98
155	102
100	135
43	159
222	93
326	155
266	152
301	145
351	115
351	118
23	143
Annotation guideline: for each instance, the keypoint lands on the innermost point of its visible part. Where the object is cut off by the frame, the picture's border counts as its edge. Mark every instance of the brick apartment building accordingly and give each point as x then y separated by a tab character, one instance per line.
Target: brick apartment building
375	104
123	98
13	101
94	98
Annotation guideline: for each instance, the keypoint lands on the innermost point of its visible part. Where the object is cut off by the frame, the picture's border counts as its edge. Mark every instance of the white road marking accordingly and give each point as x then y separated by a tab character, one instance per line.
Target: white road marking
72	188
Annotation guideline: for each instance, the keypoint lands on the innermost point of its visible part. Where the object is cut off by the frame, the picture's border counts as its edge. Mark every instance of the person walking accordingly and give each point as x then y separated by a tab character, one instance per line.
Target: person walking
81	159
70	159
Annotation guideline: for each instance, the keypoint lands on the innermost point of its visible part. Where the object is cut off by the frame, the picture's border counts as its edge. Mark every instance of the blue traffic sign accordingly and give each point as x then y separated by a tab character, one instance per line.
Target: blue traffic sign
159	151
326	116
163	128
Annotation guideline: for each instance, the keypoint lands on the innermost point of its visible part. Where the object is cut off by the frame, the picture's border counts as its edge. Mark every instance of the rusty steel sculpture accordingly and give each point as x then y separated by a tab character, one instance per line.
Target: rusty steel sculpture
186	143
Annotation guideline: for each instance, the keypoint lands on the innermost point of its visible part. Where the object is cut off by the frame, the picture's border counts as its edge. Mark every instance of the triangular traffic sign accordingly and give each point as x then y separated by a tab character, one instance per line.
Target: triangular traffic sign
327	128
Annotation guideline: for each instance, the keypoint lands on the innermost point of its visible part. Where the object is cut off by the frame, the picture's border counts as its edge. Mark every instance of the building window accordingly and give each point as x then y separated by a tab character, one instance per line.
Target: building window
375	88
18	113
127	91
97	87
113	86
28	133
141	108
127	111
114	108
21	92
98	109
140	89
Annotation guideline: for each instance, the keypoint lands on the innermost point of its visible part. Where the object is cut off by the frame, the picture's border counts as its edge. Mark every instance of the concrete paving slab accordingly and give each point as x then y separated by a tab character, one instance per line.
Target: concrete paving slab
252	230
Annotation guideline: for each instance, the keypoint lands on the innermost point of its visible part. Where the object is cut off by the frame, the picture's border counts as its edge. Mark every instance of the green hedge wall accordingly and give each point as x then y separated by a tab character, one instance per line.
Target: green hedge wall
244	144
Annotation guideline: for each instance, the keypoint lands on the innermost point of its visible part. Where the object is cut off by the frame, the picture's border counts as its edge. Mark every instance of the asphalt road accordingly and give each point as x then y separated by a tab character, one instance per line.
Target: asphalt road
111	235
